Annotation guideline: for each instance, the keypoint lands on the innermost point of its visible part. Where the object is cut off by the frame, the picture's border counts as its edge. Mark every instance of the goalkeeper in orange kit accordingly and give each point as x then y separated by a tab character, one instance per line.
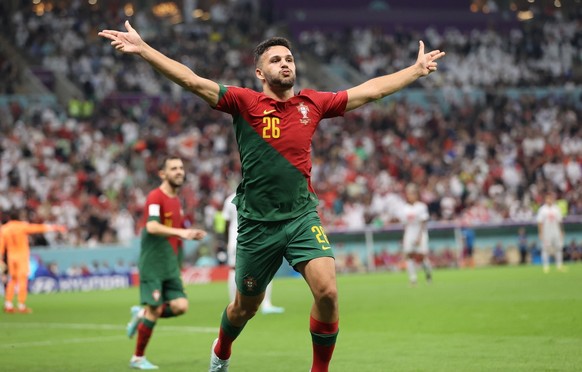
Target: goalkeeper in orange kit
14	242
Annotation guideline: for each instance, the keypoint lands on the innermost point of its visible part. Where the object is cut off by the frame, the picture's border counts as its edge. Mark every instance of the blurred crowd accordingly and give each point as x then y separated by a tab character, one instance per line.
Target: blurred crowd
475	161
538	53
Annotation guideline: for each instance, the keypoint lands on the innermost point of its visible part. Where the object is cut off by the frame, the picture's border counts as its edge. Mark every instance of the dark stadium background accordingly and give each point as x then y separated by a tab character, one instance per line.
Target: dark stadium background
484	137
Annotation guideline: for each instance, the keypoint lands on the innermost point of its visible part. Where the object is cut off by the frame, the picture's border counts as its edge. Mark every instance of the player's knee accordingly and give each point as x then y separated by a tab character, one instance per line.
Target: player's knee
327	295
246	311
180	306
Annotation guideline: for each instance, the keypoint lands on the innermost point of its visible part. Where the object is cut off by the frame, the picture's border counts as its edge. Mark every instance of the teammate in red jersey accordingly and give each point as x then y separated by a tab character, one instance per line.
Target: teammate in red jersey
161	289
275	200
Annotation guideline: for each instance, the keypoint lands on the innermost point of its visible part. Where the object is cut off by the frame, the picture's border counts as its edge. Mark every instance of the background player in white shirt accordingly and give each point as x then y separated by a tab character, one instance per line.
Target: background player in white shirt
550	232
414	216
230	216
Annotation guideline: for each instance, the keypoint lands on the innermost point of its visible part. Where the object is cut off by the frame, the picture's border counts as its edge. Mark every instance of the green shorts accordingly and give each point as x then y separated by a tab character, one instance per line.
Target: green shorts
261	247
155	292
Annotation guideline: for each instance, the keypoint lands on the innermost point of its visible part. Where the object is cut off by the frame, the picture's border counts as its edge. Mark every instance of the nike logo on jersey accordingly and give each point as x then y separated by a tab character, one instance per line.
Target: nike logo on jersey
325	248
267	112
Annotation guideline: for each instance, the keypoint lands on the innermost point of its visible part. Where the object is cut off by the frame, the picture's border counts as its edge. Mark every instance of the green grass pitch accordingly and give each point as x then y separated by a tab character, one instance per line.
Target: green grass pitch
490	319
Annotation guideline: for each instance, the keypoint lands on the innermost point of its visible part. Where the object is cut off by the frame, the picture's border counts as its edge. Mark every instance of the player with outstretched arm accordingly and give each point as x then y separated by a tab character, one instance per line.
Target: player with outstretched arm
275	200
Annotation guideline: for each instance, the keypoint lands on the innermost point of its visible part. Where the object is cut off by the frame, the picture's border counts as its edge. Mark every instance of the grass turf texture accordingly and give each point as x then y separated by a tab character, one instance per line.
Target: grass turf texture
491	319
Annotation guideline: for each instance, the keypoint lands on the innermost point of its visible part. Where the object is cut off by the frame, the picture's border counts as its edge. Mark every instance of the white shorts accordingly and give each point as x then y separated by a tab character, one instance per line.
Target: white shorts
410	247
552	244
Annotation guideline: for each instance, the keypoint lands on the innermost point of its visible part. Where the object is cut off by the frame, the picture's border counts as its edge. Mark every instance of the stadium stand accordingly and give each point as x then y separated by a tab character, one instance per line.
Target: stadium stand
484	156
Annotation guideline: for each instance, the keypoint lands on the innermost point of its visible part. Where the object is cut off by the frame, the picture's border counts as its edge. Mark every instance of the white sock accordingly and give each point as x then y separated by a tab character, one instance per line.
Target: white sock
427	267
411	267
559	258
268	293
8	305
231	285
545	259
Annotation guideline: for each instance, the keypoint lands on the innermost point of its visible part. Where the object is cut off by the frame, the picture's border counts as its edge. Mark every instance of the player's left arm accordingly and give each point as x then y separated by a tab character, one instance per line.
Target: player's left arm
424	223
2	245
540	221
383	86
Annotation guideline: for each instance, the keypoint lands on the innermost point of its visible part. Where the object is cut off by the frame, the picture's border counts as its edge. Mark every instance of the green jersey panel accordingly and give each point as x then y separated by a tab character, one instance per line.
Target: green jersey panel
157	259
274	141
272	188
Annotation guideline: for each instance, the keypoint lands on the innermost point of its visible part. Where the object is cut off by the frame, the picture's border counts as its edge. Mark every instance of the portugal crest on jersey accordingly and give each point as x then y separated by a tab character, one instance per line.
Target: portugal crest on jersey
250	283
304	111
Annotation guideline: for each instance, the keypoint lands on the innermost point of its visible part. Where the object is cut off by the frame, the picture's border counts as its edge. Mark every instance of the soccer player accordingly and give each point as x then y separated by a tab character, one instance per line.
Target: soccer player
230	216
275	201
468	236
161	289
550	232
414	216
14	243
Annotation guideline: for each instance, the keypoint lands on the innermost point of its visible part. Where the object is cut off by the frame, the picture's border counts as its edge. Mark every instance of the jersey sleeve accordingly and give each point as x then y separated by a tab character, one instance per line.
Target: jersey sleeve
424	216
331	104
231	99
35	228
153	207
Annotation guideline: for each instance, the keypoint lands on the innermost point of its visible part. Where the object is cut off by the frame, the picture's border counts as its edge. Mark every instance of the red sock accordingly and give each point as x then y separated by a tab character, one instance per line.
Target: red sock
323	336
224	345
167	311
226	336
144	332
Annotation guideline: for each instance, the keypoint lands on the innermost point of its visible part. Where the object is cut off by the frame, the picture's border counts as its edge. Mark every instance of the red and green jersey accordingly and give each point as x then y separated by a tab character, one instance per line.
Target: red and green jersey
159	254
274	141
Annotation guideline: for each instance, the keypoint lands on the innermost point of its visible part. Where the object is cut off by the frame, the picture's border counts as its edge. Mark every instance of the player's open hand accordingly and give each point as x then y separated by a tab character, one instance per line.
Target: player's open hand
427	61
126	42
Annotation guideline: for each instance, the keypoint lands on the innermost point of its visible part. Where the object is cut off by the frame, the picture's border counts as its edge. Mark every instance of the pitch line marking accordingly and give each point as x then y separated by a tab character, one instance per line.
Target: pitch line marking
112	327
59	342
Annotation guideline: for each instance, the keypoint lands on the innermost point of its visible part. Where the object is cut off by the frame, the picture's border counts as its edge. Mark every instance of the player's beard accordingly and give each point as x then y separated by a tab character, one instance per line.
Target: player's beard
281	82
176	183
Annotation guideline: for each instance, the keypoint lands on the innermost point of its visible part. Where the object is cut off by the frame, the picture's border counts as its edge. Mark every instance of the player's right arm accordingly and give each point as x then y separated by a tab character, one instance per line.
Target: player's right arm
39	228
156	228
131	42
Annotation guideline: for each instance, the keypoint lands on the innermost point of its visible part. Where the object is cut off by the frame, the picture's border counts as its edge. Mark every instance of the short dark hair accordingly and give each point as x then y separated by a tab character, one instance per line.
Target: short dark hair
14	214
274	41
165	159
